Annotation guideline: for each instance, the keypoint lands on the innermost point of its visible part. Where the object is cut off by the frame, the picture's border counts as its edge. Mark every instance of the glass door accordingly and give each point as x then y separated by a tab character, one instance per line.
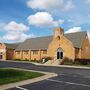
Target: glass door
0	55
59	55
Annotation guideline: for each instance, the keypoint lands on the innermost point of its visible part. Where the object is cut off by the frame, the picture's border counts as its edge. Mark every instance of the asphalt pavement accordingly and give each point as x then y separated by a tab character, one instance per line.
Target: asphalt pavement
67	79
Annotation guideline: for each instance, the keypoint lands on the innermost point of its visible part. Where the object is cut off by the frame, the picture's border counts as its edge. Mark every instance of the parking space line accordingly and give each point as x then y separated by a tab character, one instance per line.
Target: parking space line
85	85
21	88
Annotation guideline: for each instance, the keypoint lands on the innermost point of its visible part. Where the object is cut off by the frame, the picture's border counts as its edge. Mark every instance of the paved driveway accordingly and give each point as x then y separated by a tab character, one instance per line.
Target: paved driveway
67	79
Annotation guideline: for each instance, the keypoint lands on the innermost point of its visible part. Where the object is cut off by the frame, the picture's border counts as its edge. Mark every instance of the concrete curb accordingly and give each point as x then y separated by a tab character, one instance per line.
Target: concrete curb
38	64
78	67
67	66
29	81
16	61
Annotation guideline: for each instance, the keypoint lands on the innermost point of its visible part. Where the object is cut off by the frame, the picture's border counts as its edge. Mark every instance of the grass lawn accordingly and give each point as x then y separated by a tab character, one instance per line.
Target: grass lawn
14	75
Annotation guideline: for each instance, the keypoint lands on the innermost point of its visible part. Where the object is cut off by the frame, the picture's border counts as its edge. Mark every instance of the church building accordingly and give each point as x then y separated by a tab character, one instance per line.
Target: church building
57	46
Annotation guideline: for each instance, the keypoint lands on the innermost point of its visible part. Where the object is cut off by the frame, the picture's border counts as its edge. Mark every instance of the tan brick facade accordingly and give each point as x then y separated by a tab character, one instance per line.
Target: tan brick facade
30	54
59	42
2	51
85	50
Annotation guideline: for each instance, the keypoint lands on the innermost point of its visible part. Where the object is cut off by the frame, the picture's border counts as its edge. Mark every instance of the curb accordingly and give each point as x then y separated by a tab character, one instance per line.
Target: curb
67	66
29	81
38	64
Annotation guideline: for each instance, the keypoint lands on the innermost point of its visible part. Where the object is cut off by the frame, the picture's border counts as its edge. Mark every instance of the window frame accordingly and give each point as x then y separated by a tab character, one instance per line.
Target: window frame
35	52
44	51
25	52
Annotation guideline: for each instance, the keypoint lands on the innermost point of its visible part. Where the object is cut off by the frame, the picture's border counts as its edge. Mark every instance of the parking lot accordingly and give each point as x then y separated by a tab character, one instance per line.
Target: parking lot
67	79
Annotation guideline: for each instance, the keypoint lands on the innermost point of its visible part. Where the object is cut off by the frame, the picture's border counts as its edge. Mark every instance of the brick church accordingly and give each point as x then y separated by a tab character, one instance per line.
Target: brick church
57	46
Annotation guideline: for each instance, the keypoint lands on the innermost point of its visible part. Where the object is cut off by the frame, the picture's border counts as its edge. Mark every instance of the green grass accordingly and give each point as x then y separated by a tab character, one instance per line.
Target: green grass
14	75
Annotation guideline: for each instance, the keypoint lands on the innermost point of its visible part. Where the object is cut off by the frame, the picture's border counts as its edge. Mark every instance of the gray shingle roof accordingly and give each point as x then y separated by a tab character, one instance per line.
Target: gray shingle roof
11	46
76	38
35	43
43	42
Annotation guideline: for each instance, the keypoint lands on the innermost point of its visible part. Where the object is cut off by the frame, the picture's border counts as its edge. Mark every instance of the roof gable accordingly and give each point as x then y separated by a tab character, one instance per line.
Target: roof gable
43	42
76	38
11	46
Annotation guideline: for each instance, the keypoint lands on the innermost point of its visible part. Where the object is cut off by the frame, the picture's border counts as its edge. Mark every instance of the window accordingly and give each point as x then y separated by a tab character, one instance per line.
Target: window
1	53
0	44
26	52
35	52
17	52
59	55
1	56
45	52
58	37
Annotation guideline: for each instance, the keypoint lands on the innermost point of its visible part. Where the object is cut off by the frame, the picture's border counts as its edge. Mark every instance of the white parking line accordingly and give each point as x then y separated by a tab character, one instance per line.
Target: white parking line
21	88
85	85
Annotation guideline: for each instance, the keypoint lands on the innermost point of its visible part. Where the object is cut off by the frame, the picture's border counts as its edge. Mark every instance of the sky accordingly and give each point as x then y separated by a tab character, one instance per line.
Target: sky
22	19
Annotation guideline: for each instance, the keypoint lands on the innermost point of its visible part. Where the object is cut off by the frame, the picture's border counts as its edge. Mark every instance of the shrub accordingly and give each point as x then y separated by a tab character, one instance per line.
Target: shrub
37	61
67	61
17	59
82	61
46	59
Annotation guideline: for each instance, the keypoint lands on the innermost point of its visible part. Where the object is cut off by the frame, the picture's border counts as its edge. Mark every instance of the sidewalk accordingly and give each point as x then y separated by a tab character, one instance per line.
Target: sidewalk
67	66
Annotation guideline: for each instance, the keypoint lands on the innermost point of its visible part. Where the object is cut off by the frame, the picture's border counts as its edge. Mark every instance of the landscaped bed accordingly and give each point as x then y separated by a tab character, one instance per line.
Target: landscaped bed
77	62
14	75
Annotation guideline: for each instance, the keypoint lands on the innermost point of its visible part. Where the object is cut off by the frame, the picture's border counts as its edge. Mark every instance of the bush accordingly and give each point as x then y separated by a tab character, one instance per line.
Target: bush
37	61
21	59
17	59
46	59
82	61
67	61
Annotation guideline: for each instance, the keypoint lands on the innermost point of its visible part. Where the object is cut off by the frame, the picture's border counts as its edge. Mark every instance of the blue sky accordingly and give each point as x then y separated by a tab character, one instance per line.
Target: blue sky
22	19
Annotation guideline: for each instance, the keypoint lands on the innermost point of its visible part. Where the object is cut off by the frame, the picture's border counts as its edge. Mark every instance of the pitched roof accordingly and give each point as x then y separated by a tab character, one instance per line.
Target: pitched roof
35	43
76	38
11	46
43	42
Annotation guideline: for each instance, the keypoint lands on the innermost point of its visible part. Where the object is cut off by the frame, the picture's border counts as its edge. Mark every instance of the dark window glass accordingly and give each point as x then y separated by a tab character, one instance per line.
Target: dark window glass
0	56
44	52
35	52
59	55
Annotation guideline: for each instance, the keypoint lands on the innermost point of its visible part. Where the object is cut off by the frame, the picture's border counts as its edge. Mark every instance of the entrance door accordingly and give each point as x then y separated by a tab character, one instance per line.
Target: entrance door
0	55
59	55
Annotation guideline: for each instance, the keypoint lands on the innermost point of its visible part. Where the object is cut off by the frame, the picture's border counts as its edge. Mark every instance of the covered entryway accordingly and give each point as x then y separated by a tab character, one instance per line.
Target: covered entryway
59	53
1	55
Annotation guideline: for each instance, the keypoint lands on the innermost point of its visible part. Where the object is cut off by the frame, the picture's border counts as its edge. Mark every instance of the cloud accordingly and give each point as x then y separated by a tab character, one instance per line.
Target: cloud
16	37
88	1
69	6
15	27
50	5
15	32
41	19
44	4
74	29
